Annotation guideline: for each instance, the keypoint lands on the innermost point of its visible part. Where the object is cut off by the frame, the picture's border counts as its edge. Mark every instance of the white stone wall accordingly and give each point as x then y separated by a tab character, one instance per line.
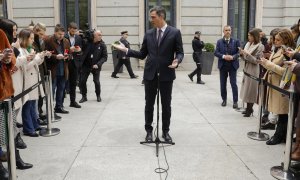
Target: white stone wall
115	16
23	11
199	15
280	13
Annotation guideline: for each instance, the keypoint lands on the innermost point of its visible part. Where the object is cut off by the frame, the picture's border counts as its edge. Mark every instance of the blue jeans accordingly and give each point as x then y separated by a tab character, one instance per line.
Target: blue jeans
29	117
58	88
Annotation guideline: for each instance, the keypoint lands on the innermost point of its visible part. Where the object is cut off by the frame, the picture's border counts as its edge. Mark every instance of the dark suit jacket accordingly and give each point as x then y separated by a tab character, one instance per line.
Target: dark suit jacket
99	55
52	62
159	58
233	50
121	54
76	56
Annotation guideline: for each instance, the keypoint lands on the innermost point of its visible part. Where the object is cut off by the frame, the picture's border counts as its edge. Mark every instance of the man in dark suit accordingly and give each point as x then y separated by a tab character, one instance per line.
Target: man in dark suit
123	59
93	57
227	51
75	61
58	64
162	46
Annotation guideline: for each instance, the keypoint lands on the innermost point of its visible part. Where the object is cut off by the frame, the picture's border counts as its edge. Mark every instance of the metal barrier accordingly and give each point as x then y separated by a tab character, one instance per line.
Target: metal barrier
11	140
260	136
49	131
278	172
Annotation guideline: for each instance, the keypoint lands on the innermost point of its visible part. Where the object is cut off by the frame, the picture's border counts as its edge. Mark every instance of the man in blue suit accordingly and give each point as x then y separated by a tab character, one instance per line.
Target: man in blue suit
227	51
162	45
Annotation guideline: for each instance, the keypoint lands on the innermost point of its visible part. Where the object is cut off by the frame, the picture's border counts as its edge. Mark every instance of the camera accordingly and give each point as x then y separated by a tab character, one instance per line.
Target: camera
87	35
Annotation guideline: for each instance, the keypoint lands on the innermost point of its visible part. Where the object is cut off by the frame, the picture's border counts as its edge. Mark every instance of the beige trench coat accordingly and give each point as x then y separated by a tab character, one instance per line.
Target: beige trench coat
275	101
249	88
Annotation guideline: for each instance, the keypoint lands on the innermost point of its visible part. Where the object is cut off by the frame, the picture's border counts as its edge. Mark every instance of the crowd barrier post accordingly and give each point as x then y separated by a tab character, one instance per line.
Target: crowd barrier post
259	136
49	131
11	141
283	172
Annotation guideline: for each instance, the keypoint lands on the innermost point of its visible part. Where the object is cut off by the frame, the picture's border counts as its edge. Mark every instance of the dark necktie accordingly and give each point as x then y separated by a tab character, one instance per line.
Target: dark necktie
227	41
159	36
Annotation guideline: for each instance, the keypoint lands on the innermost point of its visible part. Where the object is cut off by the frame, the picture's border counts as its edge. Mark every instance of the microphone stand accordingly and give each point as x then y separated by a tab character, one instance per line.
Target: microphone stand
157	141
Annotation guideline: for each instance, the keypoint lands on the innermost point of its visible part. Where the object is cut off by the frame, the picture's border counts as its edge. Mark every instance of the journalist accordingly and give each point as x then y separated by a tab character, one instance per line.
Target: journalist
93	57
75	62
58	64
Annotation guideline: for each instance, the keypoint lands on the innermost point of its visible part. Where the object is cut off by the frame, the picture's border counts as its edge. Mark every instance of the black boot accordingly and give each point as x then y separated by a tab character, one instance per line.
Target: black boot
199	71
4	175
19	142
20	163
280	132
249	110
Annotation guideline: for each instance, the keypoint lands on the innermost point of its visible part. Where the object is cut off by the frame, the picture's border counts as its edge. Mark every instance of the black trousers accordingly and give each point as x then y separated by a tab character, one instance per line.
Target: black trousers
120	63
197	71
96	78
73	74
226	70
165	97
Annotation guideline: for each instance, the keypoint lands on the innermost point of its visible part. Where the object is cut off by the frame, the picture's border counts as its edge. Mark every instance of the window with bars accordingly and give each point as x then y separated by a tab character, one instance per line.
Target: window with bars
170	7
241	17
76	11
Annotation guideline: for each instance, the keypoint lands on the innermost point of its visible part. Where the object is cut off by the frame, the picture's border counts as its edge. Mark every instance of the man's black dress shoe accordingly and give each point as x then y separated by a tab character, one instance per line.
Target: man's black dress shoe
114	76
99	99
134	76
42	122
34	134
167	137
75	105
61	110
83	99
149	136
268	125
275	140
200	82
191	77
223	103
56	117
235	105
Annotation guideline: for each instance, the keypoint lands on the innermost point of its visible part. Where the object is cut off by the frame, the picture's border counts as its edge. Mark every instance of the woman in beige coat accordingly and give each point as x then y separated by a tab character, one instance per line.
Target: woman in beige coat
275	101
253	50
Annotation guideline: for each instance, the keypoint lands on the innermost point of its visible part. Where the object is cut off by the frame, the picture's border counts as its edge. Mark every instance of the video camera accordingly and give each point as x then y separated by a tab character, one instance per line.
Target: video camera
87	35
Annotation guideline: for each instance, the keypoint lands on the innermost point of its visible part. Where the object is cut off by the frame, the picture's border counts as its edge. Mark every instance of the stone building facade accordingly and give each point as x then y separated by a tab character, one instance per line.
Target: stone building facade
114	16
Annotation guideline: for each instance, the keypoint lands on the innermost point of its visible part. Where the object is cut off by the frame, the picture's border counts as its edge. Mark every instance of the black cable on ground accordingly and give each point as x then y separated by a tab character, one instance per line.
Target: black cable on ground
161	170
